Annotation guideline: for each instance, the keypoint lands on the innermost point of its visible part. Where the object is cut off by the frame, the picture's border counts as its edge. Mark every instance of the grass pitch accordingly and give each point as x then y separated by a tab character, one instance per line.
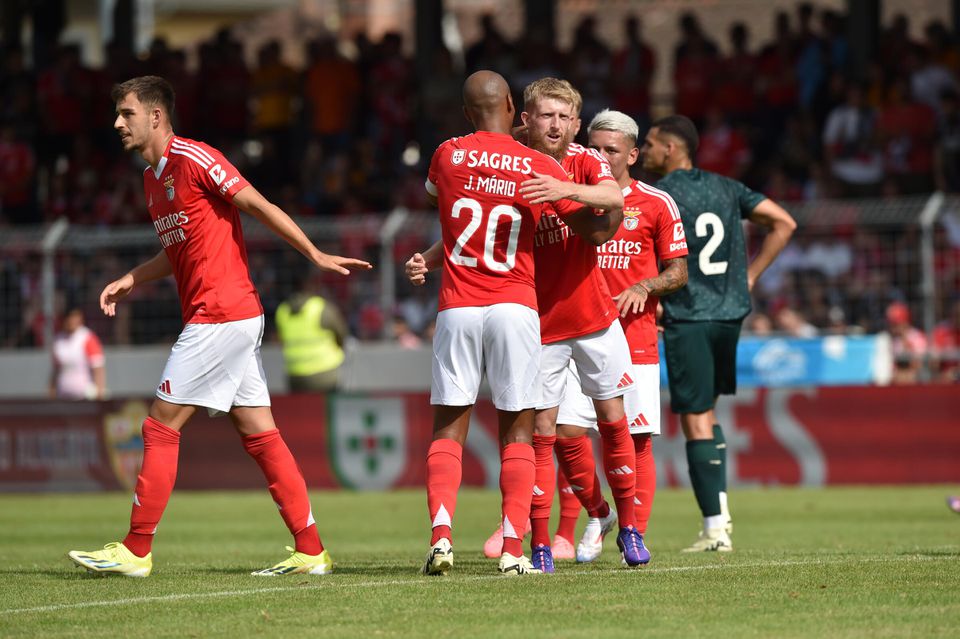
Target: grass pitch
864	562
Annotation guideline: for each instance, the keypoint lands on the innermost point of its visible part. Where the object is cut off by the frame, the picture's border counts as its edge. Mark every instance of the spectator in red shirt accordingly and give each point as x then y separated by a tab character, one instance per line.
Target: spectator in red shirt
693	78
906	130
723	149
735	93
631	74
17	170
946	346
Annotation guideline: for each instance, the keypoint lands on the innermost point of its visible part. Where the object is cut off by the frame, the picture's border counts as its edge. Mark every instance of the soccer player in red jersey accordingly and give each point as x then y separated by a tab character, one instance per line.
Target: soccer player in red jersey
193	195
488	320
651	232
578	317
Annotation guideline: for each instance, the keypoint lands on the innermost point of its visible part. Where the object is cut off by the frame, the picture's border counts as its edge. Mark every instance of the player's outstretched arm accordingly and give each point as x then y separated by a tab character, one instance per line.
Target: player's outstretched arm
781	226
541	188
672	278
249	200
420	264
155	268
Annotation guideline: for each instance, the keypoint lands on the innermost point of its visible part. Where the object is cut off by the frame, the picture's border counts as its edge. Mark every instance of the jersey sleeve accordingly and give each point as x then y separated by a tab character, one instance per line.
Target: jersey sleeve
596	168
93	350
669	240
433	174
219	176
747	198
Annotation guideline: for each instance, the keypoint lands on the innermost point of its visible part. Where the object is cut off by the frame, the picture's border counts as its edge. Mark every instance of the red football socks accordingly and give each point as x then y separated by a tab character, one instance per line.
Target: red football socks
577	463
517	477
287	486
444	471
569	508
646	479
158	474
619	463
545	479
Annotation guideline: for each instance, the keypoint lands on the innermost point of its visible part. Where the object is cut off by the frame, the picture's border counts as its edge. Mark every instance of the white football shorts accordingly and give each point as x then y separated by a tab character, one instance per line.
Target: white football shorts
216	366
641	403
502	340
603	363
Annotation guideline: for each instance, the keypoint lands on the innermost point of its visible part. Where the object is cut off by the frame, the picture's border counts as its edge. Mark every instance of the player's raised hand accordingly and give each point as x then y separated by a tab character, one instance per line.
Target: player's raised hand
632	299
114	292
338	264
544	188
416	270
519	133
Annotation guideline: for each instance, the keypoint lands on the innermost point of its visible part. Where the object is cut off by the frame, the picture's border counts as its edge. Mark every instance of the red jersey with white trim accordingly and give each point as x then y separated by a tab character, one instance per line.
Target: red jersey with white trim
190	199
487	225
76	354
651	231
573	296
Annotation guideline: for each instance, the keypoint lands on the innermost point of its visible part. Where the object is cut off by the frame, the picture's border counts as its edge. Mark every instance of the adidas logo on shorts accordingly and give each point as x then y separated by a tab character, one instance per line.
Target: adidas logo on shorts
625	381
165	387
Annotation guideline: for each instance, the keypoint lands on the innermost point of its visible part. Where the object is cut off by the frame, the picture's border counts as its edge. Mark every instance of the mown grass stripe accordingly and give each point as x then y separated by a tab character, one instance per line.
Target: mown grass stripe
329	584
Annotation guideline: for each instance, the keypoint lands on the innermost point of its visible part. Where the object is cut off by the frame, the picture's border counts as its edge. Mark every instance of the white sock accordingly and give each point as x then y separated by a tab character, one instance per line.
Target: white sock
723	505
714	521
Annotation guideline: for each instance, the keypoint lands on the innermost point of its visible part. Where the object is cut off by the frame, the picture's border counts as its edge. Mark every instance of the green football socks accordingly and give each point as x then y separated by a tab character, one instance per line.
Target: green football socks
706	474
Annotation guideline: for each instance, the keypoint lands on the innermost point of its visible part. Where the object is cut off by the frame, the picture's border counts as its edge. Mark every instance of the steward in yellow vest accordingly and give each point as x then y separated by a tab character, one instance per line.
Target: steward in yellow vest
312	331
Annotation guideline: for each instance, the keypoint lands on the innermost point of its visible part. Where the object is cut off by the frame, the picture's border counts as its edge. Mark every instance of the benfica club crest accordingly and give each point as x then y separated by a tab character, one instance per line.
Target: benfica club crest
630	221
168	186
368	441
124	442
457	157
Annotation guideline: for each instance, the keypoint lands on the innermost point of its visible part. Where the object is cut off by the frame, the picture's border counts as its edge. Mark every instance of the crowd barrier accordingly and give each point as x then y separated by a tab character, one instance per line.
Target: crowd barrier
810	436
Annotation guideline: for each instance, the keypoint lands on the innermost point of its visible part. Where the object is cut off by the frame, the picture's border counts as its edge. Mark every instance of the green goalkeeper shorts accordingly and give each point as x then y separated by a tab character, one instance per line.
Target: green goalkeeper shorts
701	360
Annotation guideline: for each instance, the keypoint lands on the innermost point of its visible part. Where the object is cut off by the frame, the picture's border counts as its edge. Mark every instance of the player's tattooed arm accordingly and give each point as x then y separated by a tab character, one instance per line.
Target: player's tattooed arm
672	278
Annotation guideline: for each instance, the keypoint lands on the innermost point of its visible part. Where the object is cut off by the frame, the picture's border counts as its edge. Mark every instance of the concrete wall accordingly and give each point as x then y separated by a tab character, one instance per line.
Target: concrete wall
135	371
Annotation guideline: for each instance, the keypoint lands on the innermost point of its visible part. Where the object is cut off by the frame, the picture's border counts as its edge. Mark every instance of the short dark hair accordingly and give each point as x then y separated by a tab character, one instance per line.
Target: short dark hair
682	127
149	89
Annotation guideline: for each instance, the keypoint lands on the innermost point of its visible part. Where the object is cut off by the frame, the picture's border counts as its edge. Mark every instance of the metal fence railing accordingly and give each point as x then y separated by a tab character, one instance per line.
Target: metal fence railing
79	261
849	260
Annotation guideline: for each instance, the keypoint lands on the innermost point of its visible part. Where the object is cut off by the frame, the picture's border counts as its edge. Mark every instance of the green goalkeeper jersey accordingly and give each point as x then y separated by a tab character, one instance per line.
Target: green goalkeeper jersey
712	208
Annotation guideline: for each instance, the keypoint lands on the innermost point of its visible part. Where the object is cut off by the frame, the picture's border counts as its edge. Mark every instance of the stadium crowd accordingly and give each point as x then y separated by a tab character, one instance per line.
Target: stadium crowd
350	132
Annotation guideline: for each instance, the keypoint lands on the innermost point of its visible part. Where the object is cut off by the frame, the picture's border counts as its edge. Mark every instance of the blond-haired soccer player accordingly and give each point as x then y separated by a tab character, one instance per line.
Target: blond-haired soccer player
578	317
193	195
488	321
651	233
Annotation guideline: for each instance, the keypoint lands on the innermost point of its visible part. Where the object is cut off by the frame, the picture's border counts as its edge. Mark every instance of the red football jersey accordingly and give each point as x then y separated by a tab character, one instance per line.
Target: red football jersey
487	225
573	296
190	199
651	230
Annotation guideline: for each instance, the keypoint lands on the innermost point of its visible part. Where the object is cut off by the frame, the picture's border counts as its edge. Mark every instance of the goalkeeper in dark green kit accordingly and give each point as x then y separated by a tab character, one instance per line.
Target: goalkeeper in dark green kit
702	321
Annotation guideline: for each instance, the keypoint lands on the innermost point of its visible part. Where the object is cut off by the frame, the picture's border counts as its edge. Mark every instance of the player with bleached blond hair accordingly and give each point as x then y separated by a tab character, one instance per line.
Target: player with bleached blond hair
650	236
488	321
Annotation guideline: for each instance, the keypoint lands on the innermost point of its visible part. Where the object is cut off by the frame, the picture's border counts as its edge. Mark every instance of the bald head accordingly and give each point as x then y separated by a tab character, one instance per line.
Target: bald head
487	102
